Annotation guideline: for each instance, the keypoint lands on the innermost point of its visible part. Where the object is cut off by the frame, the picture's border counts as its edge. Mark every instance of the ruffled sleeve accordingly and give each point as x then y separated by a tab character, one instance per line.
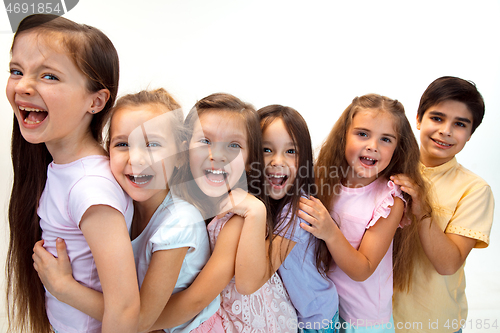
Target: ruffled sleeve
385	198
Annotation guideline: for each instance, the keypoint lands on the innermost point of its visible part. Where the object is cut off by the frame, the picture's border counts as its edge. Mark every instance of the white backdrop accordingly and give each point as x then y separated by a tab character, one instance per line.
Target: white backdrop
314	56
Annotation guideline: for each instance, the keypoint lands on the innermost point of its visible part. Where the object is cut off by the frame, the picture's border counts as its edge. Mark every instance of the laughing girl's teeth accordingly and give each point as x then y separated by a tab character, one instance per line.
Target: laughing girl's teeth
30	109
277	179
140	179
216	176
368	160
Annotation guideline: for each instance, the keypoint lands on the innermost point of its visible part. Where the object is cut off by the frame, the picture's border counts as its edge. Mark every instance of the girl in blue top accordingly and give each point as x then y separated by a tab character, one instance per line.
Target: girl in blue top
288	163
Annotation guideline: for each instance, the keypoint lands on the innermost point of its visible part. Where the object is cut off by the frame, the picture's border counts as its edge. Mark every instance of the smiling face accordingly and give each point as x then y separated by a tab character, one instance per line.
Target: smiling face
48	93
280	159
444	130
142	152
370	144
218	152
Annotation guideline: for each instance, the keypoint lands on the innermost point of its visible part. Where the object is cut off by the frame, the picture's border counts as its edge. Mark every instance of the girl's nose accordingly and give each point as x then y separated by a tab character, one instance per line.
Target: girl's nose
137	157
25	86
372	146
217	152
277	160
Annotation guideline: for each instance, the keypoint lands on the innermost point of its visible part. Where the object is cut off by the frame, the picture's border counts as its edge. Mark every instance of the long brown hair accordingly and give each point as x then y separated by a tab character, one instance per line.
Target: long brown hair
285	209
95	56
331	165
253	179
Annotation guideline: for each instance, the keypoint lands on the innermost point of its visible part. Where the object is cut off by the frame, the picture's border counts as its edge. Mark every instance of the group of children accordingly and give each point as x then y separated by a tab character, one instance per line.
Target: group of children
221	222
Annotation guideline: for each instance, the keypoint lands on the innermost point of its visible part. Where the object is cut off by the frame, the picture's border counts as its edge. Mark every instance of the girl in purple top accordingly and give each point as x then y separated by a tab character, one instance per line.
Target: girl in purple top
288	163
371	141
63	81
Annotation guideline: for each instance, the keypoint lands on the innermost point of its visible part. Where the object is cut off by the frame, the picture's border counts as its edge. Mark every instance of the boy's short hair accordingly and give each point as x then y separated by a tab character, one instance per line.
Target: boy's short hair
456	89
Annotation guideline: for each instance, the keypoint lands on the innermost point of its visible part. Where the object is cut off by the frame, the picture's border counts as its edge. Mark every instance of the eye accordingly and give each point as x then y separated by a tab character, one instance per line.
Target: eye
435	118
235	145
15	72
205	141
267	150
50	77
291	151
362	134
121	144
388	140
460	124
153	144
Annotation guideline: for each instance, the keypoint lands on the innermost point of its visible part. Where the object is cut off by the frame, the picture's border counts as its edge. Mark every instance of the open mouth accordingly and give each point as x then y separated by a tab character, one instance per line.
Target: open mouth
32	116
368	161
442	144
140	179
277	180
216	176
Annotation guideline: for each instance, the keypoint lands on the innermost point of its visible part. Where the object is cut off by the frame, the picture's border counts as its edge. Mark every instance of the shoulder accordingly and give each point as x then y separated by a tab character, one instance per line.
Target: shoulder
469	178
290	228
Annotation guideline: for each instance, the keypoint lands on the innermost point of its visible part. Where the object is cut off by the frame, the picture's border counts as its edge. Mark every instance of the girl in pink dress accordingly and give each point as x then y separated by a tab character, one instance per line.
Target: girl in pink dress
370	142
226	161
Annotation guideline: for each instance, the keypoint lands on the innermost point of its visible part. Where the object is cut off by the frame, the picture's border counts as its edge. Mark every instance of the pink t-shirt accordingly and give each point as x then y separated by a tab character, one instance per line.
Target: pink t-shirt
69	191
369	302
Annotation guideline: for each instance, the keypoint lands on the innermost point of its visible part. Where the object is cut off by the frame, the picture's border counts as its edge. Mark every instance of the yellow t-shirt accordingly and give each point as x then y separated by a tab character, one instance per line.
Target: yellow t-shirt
462	204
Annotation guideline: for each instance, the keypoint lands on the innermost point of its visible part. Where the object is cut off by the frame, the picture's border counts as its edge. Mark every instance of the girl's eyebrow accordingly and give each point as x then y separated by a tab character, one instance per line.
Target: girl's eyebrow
367	130
13	63
286	143
119	137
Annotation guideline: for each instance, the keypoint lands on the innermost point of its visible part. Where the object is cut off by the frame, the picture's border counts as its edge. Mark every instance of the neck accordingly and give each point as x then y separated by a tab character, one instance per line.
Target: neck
72	149
144	211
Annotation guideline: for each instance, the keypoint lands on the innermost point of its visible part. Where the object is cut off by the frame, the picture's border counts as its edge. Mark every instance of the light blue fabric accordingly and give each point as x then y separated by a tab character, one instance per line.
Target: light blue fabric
333	327
313	295
346	327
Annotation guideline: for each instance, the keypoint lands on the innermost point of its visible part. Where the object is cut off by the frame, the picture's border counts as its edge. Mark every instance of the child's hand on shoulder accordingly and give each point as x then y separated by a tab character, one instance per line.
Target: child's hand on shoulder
54	272
243	204
315	213
407	185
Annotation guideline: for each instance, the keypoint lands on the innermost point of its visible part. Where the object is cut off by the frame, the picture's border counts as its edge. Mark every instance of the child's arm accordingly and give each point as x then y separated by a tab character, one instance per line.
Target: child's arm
252	267
446	252
159	282
213	278
156	289
106	233
359	264
56	275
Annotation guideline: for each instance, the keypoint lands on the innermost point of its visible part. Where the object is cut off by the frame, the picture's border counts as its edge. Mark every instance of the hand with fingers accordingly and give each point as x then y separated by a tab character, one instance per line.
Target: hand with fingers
322	225
242	203
407	185
54	272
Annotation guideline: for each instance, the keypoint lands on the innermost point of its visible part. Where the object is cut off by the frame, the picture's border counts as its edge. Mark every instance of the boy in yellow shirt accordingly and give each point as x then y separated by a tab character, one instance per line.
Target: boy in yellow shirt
462	210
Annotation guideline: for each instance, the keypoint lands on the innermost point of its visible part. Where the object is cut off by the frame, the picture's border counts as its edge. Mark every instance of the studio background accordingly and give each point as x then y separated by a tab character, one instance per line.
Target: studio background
314	56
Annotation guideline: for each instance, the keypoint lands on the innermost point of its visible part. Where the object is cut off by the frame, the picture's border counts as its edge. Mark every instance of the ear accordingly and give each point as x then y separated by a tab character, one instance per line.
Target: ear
418	123
99	100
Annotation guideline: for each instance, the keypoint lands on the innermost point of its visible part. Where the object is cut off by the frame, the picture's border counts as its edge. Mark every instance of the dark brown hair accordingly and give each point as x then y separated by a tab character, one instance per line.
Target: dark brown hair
455	89
405	160
95	56
285	209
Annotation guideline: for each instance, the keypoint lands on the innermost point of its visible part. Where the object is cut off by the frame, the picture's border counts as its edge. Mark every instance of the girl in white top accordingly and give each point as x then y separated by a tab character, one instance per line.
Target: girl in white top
63	81
170	240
